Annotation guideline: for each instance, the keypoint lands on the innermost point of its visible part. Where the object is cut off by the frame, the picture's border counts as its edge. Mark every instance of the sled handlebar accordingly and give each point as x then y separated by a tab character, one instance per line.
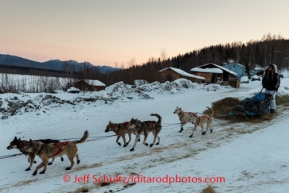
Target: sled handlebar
271	94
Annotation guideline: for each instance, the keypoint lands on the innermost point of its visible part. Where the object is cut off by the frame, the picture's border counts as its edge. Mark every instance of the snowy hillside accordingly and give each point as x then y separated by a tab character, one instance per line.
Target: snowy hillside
248	157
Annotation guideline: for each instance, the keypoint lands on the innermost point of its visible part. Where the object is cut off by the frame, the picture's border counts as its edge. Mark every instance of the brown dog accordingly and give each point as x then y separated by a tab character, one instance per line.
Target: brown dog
201	120
46	151
120	130
18	144
185	117
145	127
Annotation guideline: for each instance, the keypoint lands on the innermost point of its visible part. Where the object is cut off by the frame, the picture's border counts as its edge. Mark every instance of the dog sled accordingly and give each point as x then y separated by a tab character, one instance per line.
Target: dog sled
255	106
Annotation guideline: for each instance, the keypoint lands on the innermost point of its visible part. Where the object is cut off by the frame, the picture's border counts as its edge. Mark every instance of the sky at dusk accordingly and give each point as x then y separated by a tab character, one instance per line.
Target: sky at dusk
106	32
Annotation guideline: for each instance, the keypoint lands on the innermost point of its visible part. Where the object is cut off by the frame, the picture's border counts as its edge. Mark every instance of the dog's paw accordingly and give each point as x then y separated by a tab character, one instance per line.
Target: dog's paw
34	173
62	159
50	163
146	144
181	130
35	162
124	145
131	149
204	133
138	140
27	169
211	130
42	172
191	136
78	161
157	143
151	145
68	168
119	144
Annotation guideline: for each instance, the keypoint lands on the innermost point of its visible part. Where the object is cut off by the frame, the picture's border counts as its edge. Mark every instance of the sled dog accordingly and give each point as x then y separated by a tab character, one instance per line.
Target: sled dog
51	150
121	129
185	117
201	120
145	127
18	144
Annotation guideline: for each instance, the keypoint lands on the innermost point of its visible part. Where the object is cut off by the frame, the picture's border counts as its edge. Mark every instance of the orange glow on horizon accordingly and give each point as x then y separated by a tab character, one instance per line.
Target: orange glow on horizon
114	32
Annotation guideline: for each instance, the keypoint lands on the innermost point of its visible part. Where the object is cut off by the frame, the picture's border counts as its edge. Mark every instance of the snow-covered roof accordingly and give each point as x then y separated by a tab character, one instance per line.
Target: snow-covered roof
94	82
209	70
222	68
183	73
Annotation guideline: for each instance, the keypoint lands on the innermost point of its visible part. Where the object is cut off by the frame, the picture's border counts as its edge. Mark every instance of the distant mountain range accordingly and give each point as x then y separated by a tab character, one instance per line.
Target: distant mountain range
55	65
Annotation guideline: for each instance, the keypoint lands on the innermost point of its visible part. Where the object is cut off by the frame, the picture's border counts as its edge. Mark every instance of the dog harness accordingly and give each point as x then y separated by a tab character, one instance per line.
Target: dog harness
193	114
181	115
60	146
206	116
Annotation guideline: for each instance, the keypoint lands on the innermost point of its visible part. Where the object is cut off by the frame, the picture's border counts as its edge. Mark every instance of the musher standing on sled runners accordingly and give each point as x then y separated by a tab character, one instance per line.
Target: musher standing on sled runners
271	82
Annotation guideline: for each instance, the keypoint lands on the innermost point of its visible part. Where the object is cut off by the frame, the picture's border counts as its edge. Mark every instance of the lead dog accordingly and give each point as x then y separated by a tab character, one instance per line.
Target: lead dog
121	129
201	120
18	144
185	117
145	127
46	151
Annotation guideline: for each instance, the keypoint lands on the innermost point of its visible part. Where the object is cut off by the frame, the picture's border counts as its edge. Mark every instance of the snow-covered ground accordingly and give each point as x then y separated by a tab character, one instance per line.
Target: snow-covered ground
249	157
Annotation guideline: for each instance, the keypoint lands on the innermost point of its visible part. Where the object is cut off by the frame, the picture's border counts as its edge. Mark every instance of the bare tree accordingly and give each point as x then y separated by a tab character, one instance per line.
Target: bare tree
131	63
163	54
69	69
7	83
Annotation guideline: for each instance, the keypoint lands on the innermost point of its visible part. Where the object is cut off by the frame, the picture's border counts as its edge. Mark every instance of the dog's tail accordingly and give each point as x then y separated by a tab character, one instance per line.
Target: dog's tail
83	139
212	112
158	116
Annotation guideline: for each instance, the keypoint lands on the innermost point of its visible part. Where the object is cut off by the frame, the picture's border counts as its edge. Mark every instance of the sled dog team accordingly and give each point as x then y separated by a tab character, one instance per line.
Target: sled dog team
48	148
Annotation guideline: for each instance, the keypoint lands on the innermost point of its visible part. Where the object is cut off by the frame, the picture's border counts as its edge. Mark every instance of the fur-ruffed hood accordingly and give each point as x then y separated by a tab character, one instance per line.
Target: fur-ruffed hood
275	69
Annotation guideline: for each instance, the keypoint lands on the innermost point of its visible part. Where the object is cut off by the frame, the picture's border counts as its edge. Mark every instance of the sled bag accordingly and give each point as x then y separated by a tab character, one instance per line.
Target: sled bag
259	97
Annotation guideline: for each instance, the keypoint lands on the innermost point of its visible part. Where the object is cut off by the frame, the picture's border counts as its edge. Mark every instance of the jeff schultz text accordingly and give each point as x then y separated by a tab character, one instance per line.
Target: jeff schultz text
146	179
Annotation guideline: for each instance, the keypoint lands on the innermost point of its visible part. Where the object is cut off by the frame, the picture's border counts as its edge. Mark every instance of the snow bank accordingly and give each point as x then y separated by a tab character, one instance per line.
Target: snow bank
12	104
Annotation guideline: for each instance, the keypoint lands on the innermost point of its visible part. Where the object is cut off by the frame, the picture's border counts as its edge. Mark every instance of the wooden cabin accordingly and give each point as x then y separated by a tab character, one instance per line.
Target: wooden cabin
172	74
213	73
89	85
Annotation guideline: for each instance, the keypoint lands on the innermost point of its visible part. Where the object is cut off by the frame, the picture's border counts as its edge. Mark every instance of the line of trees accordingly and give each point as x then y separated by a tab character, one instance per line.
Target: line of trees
10	83
270	49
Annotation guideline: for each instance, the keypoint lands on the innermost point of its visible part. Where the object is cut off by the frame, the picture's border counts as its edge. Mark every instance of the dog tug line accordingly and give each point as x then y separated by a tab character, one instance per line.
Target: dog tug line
46	149
94	138
88	140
